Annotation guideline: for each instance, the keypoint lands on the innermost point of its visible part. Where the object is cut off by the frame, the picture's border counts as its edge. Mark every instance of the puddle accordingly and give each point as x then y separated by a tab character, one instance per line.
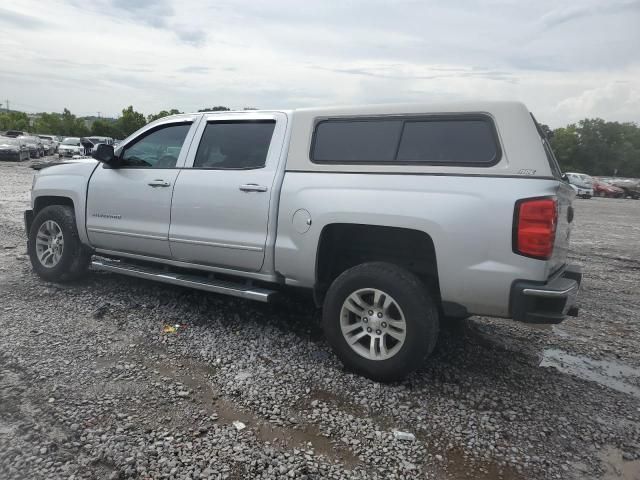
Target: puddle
616	468
560	332
604	372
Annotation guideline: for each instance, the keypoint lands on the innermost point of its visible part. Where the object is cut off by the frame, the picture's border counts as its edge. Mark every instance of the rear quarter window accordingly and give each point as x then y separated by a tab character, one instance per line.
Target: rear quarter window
441	140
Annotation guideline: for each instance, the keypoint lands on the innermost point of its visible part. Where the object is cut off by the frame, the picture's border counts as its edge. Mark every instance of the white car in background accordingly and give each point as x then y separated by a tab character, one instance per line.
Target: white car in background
581	183
52	141
70	147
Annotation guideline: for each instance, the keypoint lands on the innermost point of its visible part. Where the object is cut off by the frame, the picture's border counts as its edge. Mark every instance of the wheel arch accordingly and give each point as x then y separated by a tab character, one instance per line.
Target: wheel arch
48	198
43	201
345	245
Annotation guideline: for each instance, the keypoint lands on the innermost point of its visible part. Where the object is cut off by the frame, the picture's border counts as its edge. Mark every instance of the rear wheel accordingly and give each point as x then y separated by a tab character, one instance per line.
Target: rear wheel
55	250
380	320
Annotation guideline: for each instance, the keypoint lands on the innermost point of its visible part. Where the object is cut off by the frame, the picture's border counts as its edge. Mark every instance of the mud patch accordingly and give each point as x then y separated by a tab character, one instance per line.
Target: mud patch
616	468
198	377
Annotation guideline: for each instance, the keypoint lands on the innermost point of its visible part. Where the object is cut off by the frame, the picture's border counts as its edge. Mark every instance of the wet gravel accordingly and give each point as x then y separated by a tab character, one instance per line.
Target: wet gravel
92	387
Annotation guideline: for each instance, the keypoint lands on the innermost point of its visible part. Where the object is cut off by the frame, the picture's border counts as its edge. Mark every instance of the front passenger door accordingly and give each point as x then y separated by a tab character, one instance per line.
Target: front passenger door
129	203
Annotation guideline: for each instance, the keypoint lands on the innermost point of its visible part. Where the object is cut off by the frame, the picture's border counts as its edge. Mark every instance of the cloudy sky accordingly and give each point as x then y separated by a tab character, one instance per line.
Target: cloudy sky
565	59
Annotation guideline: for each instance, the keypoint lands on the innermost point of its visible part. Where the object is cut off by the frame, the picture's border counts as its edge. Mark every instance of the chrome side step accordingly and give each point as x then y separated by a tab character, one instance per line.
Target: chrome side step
193	281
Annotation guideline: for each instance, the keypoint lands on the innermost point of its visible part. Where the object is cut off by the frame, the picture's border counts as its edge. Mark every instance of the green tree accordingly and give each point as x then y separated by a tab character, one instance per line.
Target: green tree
219	108
598	147
565	143
71	126
548	132
49	123
105	128
14	121
162	113
130	121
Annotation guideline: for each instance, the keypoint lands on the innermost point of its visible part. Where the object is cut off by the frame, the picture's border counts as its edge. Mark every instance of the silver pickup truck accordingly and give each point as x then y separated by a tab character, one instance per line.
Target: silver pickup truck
396	217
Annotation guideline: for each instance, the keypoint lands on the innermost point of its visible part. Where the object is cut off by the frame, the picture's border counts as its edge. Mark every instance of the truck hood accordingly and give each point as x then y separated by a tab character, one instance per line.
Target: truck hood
79	166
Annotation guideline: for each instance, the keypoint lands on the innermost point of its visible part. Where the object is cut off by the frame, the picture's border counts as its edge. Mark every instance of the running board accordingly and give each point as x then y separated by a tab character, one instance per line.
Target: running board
192	281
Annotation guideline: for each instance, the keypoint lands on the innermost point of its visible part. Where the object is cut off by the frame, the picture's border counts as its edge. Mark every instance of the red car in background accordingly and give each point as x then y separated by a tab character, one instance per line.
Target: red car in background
603	189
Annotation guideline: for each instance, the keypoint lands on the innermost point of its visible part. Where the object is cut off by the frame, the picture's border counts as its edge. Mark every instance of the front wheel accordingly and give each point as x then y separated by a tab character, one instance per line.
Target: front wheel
380	320
55	250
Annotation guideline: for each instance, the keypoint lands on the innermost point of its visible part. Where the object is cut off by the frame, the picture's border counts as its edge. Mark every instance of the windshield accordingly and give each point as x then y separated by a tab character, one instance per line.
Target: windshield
9	141
71	141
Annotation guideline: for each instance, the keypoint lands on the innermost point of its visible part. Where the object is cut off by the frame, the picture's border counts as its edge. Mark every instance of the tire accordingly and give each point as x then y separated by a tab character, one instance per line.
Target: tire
414	303
74	257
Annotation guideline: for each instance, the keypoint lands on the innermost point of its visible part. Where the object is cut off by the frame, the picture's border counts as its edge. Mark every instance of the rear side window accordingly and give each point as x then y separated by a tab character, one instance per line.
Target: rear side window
467	140
234	145
458	141
357	141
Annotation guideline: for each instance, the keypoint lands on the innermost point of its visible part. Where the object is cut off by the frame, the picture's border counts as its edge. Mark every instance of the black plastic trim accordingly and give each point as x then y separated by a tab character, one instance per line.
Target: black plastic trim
28	220
541	309
430	174
455	310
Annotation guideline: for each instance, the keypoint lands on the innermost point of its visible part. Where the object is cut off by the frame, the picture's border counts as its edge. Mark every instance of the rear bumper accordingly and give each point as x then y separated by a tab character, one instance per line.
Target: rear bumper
550	302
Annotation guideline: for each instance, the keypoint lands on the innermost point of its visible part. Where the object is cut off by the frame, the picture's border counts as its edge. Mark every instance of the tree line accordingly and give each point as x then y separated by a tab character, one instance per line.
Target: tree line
67	124
592	145
597	147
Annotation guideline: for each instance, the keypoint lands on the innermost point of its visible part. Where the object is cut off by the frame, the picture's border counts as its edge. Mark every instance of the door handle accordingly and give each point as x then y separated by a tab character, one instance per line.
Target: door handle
252	187
158	182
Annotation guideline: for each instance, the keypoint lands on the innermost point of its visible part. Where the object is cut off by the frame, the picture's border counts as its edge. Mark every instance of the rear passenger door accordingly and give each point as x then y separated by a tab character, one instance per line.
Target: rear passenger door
220	208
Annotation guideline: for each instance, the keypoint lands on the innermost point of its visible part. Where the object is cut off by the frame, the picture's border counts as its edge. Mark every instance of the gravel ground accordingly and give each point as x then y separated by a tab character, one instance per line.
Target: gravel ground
91	387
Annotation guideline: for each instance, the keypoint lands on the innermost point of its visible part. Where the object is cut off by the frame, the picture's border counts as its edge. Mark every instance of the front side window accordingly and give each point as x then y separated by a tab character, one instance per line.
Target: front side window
158	149
235	145
454	140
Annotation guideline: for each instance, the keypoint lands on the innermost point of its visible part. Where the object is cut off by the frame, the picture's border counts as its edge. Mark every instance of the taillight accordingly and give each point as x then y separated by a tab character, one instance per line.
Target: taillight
535	227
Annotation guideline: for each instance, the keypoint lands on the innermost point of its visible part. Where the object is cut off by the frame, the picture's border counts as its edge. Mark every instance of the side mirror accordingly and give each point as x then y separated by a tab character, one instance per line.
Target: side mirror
564	177
104	153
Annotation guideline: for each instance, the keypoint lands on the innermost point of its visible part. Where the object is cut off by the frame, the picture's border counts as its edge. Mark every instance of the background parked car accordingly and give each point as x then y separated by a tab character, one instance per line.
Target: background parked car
90	142
581	183
13	149
631	186
53	140
16	133
604	189
70	146
49	147
36	149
